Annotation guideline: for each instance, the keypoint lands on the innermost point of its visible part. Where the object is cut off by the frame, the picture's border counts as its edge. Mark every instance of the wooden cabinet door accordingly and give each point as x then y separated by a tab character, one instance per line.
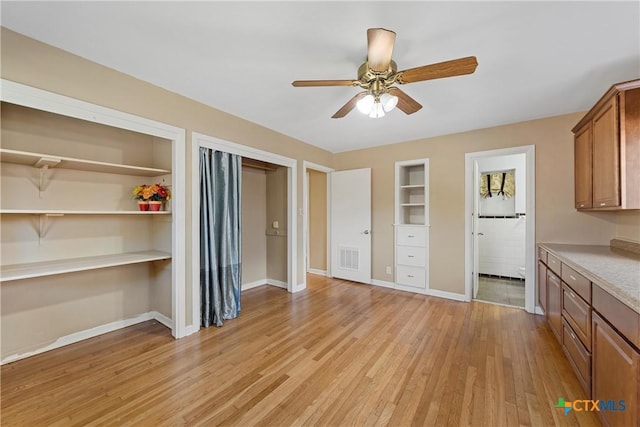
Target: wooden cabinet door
554	304
615	372
606	156
542	286
582	160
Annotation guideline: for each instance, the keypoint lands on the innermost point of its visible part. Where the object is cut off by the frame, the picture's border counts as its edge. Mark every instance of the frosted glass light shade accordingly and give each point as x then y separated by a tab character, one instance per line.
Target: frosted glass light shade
388	101
365	104
376	111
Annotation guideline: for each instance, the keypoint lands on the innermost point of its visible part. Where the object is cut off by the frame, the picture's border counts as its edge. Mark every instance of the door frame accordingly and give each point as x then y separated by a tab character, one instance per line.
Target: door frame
305	218
200	140
530	228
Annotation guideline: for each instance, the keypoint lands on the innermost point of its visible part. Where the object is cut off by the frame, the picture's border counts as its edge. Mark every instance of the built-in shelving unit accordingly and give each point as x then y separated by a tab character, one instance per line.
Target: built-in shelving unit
411	225
66	206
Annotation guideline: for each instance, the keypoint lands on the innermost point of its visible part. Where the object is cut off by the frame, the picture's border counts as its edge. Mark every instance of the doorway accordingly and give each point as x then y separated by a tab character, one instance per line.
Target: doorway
317	219
500	228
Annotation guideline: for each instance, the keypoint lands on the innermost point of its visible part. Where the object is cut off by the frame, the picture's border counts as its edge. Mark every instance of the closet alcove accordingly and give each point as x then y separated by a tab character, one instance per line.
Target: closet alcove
264	224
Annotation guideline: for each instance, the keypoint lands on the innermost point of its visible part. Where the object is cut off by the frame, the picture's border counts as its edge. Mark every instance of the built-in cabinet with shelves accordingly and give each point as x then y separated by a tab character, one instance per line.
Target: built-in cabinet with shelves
412	225
607	151
77	253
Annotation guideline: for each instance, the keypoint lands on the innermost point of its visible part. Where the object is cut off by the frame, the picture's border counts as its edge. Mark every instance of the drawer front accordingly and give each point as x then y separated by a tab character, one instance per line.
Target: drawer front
410	276
578	356
542	255
411	255
411	236
554	264
577	281
623	318
578	314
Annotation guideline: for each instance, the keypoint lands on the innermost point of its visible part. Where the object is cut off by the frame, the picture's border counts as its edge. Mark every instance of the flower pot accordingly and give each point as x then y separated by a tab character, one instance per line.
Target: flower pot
154	205
143	205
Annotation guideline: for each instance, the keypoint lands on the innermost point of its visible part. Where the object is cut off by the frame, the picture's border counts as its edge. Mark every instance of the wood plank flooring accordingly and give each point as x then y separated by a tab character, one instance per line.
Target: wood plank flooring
338	353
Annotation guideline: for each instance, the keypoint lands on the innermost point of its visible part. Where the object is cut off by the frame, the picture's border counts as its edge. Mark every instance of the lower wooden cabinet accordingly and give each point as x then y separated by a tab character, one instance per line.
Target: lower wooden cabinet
578	356
554	304
615	375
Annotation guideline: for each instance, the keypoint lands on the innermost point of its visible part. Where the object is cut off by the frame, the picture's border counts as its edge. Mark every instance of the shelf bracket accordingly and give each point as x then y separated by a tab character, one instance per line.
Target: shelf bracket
43	165
42	226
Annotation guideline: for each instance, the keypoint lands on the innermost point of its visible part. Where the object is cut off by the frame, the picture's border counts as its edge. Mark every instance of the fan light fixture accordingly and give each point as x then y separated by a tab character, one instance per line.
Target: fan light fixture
376	107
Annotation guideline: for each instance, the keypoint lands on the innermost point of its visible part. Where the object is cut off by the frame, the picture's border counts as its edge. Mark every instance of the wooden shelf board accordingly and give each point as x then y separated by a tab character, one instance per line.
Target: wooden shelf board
59	212
39	159
49	268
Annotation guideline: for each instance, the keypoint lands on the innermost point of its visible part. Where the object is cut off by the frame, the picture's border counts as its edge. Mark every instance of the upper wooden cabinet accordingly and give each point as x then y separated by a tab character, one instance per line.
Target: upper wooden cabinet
607	151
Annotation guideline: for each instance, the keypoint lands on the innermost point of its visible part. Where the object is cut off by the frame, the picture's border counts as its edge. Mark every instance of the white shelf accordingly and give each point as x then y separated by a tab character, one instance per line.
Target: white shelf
40	160
49	268
49	212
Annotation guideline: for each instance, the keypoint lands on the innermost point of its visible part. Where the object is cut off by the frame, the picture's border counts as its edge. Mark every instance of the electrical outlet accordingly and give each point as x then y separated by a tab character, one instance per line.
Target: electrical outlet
389	270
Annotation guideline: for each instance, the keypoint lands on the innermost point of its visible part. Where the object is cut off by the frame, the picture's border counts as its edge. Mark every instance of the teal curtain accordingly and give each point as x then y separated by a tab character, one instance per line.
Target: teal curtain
220	236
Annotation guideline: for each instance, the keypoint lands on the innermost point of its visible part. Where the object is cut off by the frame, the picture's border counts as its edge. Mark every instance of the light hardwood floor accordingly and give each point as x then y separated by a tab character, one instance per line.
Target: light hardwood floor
338	353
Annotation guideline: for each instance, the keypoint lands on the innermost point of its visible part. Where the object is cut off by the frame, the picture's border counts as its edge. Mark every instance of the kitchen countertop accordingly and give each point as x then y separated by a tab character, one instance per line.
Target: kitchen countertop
616	271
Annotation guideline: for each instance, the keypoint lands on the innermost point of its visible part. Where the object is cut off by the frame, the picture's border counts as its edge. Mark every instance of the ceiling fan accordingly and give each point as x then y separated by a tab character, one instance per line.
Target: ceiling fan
379	75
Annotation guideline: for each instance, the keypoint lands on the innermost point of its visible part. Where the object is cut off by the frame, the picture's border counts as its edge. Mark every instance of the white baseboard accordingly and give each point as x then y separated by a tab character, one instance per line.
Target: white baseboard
383	283
278	283
538	310
251	285
316	271
162	319
90	333
299	287
447	295
430	292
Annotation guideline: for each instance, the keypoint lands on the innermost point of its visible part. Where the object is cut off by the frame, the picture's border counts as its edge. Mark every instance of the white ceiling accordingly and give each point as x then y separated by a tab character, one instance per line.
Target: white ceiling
536	59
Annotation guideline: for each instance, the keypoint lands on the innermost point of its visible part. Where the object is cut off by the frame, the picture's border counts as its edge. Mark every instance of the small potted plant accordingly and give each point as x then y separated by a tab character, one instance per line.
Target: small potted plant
141	194
151	197
158	195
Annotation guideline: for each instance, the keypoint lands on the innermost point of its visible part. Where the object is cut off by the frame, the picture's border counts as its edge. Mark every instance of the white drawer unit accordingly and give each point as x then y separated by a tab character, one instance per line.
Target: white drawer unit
411	236
412	226
410	276
411	255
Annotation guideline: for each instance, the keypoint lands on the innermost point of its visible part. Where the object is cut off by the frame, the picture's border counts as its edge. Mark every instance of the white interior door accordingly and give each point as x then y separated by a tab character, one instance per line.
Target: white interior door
351	225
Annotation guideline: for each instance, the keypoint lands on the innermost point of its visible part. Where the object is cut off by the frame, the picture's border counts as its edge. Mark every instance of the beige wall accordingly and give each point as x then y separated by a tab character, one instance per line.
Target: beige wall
277	212
556	218
317	220
628	225
254	223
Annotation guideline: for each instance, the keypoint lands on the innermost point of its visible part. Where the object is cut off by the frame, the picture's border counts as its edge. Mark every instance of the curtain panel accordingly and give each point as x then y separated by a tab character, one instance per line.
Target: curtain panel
220	236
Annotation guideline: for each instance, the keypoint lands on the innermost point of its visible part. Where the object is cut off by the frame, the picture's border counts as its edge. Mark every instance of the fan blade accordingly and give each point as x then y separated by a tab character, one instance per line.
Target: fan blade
380	48
350	105
455	67
311	83
405	103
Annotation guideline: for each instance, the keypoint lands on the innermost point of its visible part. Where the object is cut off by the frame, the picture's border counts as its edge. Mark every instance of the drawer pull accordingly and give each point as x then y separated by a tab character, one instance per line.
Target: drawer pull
603	204
572	336
410	256
411	236
408	275
572	278
572	295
